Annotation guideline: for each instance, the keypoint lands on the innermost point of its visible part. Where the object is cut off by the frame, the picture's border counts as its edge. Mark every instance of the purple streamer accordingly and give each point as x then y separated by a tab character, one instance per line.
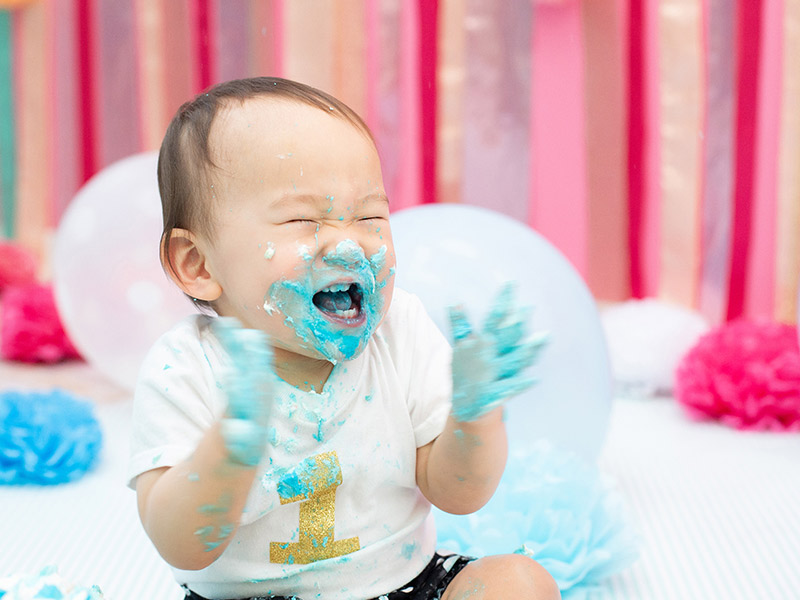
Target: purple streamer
717	209
497	106
119	102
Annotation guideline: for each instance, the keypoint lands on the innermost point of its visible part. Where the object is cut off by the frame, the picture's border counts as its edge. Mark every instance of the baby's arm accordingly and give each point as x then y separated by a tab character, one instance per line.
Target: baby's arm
191	511
459	471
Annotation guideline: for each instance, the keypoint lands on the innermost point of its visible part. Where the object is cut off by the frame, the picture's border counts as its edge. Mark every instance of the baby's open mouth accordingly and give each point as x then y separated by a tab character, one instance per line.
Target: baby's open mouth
342	301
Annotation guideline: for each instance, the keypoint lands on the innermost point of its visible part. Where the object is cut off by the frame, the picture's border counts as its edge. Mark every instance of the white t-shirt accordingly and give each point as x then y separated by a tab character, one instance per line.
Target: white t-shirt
354	445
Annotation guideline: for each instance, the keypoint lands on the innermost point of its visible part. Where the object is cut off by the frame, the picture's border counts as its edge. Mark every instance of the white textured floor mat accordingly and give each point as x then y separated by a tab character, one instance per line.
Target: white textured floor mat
719	512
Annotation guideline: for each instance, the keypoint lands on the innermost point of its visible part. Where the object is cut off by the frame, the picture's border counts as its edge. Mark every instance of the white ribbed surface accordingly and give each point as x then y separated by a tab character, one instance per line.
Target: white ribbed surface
89	529
718	509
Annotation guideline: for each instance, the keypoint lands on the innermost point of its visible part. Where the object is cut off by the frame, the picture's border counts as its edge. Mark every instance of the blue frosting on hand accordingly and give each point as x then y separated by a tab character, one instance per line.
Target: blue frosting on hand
488	365
249	387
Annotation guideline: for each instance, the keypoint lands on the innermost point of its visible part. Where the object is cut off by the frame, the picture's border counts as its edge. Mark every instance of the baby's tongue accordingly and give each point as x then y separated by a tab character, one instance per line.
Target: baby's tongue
333	301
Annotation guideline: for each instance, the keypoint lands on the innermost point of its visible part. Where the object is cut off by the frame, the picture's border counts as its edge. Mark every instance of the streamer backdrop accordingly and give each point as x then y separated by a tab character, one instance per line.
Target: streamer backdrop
656	143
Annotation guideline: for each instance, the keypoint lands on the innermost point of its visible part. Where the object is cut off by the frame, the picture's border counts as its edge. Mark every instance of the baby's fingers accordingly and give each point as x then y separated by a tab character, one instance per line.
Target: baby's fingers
508	334
248	382
521	357
459	324
502	307
225	329
248	348
515	386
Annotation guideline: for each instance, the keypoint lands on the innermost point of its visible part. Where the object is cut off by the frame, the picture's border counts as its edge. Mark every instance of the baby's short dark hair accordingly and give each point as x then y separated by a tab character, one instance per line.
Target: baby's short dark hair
185	161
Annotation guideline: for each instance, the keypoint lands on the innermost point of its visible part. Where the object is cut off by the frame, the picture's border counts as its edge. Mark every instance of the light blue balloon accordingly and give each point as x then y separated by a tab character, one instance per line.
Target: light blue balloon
450	254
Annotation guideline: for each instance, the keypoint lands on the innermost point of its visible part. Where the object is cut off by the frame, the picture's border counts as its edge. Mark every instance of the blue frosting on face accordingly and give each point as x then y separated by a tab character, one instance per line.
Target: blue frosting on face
294	298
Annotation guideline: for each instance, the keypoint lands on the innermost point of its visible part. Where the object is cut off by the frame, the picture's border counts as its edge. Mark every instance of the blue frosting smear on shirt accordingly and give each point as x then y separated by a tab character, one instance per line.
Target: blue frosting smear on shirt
312	476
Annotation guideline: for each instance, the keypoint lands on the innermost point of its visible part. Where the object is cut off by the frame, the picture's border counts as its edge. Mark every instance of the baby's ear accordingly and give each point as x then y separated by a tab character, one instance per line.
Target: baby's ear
185	262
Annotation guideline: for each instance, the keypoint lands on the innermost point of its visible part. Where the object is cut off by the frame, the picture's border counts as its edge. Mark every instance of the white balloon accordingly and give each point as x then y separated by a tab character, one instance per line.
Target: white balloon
450	254
112	295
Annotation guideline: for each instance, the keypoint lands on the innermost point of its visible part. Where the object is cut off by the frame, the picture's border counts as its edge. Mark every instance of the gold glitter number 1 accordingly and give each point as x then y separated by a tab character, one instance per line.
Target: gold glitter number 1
313	482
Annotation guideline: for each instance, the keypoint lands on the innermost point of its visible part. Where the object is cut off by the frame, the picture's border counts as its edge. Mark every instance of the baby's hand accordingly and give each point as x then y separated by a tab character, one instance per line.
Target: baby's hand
249	385
488	365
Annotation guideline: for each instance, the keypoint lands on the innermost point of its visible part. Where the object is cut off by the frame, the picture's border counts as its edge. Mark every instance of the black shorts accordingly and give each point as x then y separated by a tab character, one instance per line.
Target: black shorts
428	585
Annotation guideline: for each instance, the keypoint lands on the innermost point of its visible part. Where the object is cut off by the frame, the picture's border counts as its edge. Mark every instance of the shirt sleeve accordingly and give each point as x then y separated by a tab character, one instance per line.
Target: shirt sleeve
423	358
176	400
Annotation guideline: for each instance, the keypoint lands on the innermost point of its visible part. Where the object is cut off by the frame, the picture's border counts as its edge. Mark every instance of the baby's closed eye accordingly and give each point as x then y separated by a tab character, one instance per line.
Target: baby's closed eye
302	222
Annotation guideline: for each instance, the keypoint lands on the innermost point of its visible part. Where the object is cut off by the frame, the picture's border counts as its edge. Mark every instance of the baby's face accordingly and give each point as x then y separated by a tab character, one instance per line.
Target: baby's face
301	246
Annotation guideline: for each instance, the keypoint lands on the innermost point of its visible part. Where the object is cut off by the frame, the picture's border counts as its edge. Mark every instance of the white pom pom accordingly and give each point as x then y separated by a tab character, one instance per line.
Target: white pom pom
646	340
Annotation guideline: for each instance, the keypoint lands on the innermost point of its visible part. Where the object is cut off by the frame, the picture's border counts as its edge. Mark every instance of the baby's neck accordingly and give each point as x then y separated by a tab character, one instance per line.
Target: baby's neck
307	374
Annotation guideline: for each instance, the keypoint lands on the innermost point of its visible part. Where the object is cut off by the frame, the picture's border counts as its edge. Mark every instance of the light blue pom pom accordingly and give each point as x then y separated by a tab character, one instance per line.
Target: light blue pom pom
46	437
47	584
555	508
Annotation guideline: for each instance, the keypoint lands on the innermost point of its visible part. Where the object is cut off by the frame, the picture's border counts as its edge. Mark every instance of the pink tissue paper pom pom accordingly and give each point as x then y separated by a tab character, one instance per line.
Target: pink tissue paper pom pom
30	328
744	374
17	265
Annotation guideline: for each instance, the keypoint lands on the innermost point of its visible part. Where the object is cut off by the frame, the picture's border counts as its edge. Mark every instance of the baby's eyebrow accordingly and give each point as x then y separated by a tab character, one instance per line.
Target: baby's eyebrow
375	198
315	201
293	200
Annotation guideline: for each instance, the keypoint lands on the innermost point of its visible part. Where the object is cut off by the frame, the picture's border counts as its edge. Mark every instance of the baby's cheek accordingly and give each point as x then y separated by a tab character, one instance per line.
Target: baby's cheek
386	279
382	264
386	295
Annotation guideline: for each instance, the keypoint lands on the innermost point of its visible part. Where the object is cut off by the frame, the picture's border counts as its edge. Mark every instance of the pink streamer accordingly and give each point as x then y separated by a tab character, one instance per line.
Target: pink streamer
232	38
747	110
606	36
651	213
279	41
384	19
88	86
558	172
179	70
408	185
65	138
760	284
265	37
373	63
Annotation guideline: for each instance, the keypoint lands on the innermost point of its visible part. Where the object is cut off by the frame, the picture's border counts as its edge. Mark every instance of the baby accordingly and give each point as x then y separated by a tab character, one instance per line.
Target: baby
289	441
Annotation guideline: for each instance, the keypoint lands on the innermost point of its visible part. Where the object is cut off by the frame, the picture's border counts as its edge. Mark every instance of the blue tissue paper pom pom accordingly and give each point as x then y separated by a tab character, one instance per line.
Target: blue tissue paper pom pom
555	508
46	584
46	437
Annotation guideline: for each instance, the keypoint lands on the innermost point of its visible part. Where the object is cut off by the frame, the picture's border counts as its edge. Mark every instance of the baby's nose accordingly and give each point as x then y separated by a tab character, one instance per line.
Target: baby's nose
347	254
